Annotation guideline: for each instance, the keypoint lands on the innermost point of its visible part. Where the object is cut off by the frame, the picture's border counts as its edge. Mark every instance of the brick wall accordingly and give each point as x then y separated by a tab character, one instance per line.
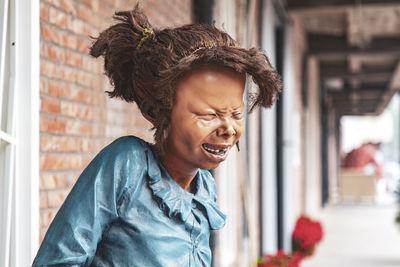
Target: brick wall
77	119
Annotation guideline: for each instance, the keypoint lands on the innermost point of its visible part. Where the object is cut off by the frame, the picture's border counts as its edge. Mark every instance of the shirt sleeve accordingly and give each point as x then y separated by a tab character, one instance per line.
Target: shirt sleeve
91	206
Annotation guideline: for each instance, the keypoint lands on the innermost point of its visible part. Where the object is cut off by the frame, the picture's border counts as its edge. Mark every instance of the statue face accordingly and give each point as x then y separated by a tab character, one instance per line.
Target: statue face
207	118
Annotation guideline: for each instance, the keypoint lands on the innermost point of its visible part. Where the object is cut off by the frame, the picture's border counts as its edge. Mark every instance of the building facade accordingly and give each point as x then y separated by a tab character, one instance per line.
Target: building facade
55	114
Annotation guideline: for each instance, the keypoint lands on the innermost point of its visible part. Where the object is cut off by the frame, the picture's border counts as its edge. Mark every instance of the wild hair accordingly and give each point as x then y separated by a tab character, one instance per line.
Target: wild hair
145	68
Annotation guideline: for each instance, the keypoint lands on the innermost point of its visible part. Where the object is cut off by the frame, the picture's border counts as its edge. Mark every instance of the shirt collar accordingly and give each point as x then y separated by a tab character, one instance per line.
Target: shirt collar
176	202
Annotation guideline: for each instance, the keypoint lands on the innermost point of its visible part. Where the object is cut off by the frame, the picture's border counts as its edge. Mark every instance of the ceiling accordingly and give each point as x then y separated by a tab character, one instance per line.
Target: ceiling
357	44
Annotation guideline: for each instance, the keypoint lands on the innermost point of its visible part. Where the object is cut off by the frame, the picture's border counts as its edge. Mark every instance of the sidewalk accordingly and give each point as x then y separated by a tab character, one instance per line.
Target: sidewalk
361	235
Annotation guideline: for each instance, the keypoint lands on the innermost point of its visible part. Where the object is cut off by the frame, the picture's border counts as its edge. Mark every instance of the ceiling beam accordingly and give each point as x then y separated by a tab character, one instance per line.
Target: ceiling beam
362	95
292	5
372	107
321	45
373	77
367	86
356	113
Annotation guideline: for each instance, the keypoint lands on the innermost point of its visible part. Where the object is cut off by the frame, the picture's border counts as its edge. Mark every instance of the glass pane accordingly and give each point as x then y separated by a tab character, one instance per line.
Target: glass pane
6	183
5	86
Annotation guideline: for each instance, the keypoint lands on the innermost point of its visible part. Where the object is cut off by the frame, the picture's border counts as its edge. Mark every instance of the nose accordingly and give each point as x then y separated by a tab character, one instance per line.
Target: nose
226	129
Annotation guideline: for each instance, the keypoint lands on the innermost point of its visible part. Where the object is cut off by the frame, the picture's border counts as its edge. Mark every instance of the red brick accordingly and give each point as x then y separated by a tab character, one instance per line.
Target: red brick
85	78
44	87
87	2
51	106
56	198
43	49
74	162
82	95
69	6
99	115
53	2
51	70
98	130
99	98
44	218
71	75
52	180
97	21
43	124
49	143
95	5
56	54
84	13
47	182
60	161
88	30
76	25
91	64
42	234
44	11
83	45
61	90
110	2
76	110
73	59
57	17
51	162
106	10
68	40
85	145
73	177
43	201
75	127
49	33
87	160
56	126
98	82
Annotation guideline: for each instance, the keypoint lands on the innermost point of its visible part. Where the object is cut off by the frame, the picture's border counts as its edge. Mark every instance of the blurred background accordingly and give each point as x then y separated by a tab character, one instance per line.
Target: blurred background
329	148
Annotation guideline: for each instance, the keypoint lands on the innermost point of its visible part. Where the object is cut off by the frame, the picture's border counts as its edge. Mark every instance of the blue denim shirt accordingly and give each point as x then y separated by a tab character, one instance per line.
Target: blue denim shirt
125	210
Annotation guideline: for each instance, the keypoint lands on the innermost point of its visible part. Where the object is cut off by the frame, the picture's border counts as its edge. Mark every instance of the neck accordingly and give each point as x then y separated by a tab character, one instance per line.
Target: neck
181	174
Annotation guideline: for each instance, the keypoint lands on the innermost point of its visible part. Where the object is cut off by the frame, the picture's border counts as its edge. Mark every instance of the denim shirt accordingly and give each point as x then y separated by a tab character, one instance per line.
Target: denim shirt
125	210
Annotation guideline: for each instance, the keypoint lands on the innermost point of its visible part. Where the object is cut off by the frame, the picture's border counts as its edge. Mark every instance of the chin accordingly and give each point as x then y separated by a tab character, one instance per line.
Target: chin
209	166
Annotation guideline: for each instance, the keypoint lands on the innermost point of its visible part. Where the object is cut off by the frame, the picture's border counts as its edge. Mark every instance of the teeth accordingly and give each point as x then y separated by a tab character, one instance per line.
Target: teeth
215	151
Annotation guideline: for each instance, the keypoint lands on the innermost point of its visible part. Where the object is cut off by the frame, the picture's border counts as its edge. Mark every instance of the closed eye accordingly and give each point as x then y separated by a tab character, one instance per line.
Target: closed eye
208	117
237	115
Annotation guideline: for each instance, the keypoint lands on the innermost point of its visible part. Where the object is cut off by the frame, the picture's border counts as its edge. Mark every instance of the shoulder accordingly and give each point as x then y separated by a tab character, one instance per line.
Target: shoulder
124	148
122	158
121	164
127	144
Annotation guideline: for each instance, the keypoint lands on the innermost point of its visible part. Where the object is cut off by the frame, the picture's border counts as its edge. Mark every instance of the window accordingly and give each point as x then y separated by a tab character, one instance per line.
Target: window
7	134
19	122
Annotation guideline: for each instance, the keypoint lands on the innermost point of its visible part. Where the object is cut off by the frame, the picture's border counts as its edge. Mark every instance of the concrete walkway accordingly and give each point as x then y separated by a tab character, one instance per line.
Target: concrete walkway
362	235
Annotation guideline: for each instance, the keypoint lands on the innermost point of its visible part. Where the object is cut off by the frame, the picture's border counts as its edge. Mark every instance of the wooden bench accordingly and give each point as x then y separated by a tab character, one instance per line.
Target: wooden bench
355	184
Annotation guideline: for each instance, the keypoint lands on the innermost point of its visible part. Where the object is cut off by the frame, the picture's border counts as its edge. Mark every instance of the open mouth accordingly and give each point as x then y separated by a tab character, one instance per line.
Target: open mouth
218	151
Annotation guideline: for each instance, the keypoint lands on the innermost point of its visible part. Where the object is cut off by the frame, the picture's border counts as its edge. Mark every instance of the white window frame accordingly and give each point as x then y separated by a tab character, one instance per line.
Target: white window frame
19	163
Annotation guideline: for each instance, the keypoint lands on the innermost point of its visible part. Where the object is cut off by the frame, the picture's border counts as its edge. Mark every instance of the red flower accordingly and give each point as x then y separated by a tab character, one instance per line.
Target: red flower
280	259
306	234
